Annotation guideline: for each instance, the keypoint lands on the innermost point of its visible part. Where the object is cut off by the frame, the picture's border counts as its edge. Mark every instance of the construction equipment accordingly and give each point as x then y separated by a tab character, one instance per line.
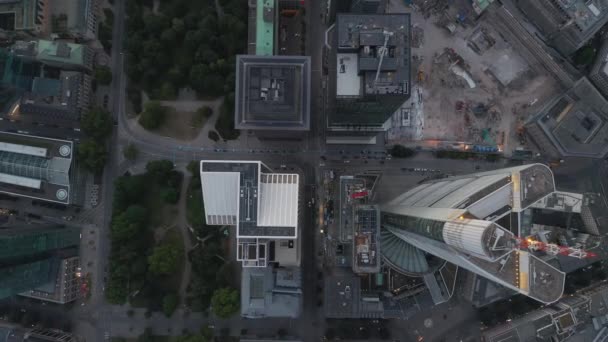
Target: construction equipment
554	249
420	74
359	194
382	51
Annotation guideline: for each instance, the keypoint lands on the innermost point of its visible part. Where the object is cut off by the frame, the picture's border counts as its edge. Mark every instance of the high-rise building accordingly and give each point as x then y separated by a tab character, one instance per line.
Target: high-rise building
495	224
567	25
263	205
31	256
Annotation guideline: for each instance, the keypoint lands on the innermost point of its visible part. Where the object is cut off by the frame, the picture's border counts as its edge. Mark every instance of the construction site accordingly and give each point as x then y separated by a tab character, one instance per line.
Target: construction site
470	84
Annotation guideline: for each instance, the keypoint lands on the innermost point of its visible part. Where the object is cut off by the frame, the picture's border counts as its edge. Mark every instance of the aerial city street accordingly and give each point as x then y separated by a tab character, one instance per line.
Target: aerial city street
303	170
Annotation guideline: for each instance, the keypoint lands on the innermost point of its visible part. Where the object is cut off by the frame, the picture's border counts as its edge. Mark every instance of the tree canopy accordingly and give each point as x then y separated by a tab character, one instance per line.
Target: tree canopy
225	302
103	75
96	123
170	303
400	151
185	45
165	258
153	116
92	155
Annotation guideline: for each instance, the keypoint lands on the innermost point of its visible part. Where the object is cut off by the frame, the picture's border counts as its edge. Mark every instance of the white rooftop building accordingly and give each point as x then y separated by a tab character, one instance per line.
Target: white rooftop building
263	207
261	204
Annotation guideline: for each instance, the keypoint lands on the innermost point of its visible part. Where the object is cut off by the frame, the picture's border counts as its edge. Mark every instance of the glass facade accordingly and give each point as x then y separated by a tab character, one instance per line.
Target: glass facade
431	229
30	257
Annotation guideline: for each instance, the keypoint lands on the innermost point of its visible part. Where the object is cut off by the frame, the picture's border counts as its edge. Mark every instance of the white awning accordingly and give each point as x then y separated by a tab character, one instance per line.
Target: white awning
23	149
221	197
278	203
20	181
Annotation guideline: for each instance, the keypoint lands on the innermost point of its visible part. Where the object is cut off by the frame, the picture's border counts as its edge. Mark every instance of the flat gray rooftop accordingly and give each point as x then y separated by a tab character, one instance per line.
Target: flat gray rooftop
365	34
272	92
576	121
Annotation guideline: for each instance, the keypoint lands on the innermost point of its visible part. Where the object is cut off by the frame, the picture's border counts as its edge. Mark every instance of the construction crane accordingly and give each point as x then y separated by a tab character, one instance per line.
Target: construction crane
554	249
382	51
359	194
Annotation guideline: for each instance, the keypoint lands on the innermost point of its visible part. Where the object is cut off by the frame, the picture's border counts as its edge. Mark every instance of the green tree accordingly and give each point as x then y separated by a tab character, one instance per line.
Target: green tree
92	155
584	56
153	116
205	111
400	151
165	258
225	302
225	122
130	152
159	169
169	195
129	224
212	135
97	123
167	91
103	75
170	303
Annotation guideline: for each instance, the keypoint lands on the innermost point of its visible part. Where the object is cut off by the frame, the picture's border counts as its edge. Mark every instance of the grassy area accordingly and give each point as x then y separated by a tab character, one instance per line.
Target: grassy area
181	125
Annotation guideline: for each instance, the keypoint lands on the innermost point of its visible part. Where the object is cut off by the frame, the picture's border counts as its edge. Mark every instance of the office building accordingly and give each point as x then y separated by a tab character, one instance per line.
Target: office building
273	93
30	256
272	98
36	167
64	288
370	59
567	25
14	333
501	225
264	208
31	16
599	71
52	101
572	124
76	19
56	53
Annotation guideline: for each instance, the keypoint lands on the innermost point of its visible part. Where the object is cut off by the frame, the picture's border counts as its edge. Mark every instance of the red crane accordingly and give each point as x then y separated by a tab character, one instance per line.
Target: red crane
554	249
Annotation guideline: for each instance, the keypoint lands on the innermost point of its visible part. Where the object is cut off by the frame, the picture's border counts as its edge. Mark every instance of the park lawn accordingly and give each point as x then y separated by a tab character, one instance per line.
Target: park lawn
179	125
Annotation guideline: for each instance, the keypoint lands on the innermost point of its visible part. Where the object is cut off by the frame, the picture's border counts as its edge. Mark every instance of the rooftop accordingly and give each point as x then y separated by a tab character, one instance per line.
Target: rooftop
35	167
261	204
265	27
52	100
270	292
54	51
575	122
18	15
365	96
272	92
366	251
